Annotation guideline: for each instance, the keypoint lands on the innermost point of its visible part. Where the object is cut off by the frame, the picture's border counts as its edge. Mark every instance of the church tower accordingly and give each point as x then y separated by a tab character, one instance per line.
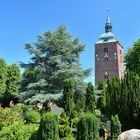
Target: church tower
108	55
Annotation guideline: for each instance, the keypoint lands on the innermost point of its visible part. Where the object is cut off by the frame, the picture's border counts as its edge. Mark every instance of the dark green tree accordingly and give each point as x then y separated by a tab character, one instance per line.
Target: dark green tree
54	58
12	83
79	97
68	102
101	101
64	126
132	58
90	98
122	98
115	127
9	77
87	127
3	77
48	129
101	85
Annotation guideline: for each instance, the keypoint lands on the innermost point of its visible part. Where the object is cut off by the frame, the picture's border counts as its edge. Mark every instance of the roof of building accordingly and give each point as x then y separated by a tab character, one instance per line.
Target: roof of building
108	36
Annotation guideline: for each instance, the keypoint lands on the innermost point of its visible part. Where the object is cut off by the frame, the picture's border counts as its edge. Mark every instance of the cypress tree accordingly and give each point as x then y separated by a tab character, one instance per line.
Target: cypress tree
87	127
90	98
101	102
68	102
122	98
115	127
48	129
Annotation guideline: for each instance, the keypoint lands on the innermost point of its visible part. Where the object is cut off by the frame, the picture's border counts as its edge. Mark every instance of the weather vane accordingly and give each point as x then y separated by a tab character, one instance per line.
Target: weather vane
107	10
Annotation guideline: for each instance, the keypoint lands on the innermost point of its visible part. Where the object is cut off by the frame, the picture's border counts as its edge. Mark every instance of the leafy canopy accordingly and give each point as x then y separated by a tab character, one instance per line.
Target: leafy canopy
132	58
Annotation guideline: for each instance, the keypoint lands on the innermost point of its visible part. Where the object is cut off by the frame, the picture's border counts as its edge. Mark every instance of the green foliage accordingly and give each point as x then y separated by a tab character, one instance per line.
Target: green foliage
17	131
98	113
69	137
115	127
90	98
32	116
68	102
64	128
3	77
9	76
101	101
87	128
28	76
54	58
9	115
79	97
75	122
48	129
122	98
101	85
132	58
12	126
12	86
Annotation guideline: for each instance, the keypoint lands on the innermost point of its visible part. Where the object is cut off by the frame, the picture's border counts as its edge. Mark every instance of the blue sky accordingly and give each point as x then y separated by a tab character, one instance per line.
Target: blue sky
22	20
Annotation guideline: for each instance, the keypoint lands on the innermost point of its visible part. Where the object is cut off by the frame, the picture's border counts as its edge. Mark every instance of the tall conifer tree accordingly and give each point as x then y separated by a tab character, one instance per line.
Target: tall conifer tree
54	59
90	98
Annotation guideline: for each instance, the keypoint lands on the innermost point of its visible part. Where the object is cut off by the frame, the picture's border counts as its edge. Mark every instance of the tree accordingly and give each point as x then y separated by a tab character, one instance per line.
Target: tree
115	127
79	97
132	58
68	102
12	86
3	77
55	58
87	128
101	101
48	129
122	98
9	76
90	98
64	128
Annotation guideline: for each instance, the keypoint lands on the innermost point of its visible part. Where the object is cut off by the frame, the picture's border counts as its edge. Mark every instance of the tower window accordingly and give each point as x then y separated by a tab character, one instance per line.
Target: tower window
105	49
106	58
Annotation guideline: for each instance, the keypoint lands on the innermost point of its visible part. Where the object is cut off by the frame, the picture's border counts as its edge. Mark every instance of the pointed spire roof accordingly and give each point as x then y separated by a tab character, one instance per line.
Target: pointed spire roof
108	20
108	36
108	26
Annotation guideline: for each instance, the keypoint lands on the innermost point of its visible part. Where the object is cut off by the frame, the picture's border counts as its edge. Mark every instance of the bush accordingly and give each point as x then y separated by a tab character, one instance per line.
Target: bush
115	127
64	128
48	129
68	138
32	116
75	122
17	131
87	128
9	115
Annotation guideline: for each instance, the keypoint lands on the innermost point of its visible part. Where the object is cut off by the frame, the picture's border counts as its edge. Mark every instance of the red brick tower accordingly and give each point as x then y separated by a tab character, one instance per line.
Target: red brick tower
108	55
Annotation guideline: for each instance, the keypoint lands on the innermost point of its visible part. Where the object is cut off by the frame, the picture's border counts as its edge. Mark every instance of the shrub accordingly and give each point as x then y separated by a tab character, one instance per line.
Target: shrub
87	128
48	129
115	127
64	128
32	116
17	131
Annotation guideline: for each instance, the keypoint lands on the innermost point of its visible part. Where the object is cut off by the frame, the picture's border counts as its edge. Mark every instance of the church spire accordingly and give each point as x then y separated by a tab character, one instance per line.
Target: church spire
108	26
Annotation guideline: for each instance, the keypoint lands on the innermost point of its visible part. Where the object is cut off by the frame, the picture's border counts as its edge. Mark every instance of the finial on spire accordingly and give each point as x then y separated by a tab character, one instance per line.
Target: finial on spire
108	26
107	10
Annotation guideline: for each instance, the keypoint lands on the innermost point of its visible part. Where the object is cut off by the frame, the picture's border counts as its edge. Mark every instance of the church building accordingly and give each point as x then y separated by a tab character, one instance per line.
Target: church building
108	55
